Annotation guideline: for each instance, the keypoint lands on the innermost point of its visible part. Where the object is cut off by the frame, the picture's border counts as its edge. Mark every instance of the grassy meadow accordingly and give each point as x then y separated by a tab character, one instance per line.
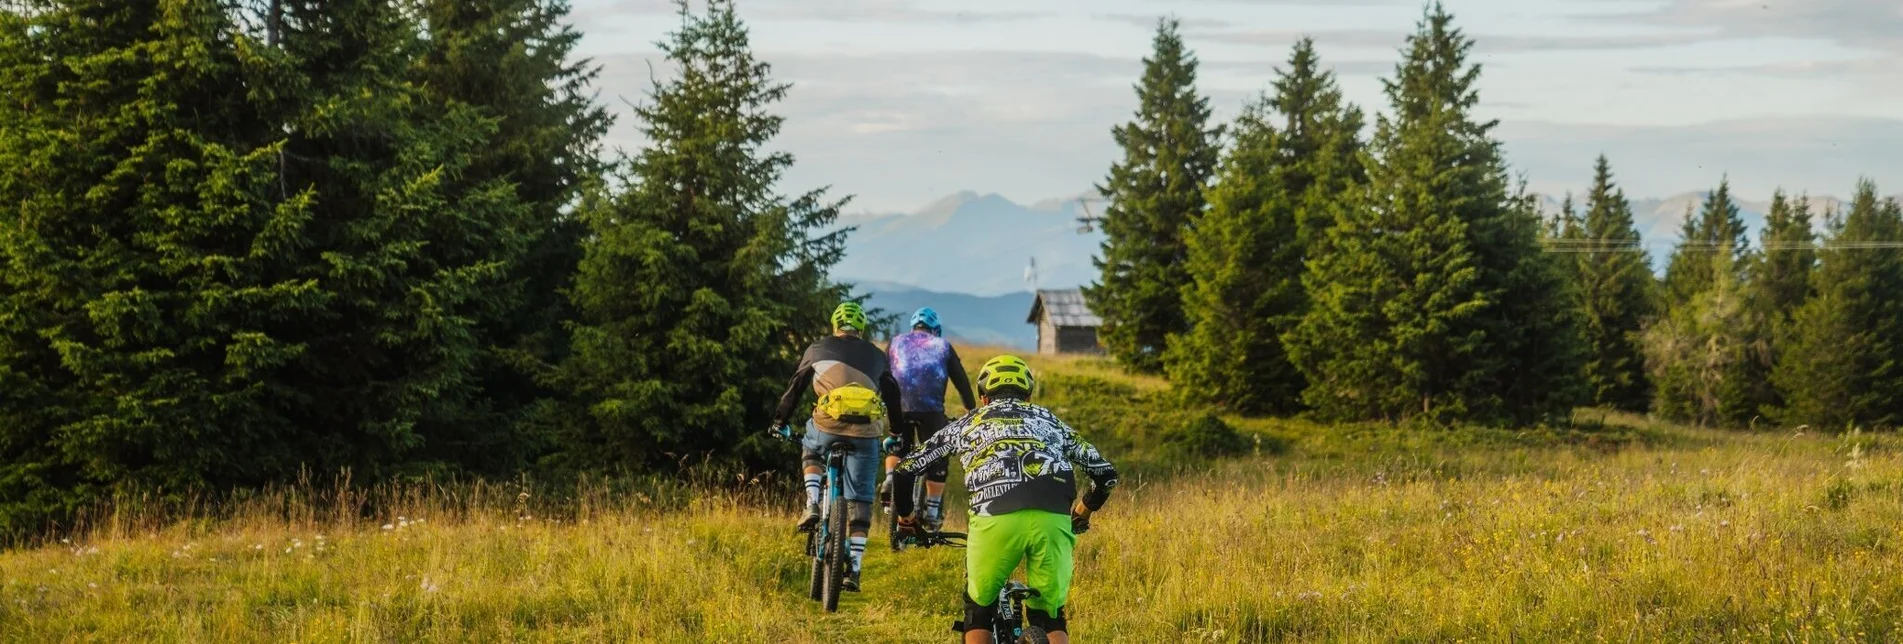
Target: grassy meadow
1624	531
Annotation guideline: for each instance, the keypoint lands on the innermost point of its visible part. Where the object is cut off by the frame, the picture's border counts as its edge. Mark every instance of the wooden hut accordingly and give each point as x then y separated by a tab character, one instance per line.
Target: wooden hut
1065	324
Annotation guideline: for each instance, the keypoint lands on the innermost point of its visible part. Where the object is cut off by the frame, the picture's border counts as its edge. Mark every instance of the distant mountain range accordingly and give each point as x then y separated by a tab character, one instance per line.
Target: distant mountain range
995	320
983	244
972	243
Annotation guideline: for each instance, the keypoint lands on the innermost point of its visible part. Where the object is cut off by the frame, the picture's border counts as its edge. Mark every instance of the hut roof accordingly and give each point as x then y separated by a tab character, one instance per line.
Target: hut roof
1064	307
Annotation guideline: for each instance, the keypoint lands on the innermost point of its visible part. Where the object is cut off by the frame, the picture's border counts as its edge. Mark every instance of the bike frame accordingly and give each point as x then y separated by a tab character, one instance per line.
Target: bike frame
833	489
820	538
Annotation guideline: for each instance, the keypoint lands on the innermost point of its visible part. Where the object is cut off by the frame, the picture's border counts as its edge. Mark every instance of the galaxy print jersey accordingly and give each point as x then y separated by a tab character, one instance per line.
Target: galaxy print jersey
1016	456
922	363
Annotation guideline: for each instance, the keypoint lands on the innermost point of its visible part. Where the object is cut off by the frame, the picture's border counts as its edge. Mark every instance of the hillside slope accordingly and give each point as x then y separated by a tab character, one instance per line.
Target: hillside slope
1634	532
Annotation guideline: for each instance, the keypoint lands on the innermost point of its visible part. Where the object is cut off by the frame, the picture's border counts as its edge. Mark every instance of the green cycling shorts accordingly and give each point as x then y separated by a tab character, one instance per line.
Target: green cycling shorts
1041	540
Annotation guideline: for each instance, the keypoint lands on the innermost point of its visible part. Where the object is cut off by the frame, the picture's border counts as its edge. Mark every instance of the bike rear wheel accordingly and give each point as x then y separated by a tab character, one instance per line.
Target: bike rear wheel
838	558
815	553
918	500
892	518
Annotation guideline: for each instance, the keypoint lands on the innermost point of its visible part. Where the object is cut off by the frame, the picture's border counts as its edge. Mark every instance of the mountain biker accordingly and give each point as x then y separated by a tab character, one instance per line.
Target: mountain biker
1018	461
923	361
857	399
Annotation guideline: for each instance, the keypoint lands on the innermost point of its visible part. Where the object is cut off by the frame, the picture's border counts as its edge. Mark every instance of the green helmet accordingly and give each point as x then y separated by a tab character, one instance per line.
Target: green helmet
1005	371
849	316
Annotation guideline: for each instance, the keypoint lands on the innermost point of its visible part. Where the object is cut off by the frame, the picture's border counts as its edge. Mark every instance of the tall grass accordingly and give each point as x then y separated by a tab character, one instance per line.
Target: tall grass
1627	532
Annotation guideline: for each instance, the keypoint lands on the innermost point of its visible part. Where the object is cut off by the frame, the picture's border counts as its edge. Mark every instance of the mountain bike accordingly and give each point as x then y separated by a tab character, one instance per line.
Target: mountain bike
826	542
919	496
901	541
1007	623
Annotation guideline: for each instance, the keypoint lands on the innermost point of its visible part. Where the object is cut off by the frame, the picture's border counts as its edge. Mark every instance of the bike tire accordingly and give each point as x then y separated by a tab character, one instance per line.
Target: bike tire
815	555
839	558
918	502
1034	635
892	520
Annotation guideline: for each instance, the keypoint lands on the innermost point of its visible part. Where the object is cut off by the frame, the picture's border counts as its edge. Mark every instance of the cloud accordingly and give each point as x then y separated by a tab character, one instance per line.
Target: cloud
1862	24
1873	28
1796	69
1148	21
879	11
897	128
840	11
1821	155
1393	40
1308	3
1346	38
1267	68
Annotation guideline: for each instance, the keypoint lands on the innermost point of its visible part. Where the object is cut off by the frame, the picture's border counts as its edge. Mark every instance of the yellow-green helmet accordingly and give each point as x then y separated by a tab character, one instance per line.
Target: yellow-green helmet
849	316
1005	371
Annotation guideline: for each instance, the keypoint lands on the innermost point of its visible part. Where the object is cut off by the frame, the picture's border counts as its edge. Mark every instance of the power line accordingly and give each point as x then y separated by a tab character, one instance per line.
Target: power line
1616	246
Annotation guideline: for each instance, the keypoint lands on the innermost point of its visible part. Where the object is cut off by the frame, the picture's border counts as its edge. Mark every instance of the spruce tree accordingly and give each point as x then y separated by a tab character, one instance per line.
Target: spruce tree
143	279
259	259
1156	195
1615	284
1568	225
1565	233
1782	273
1840	366
1717	225
1275	192
1537	330
1778	283
512	60
1725	383
1431	297
1697	354
699	284
416	252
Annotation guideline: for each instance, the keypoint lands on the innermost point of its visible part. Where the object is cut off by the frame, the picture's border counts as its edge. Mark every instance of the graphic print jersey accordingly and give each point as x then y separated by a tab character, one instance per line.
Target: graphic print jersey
923	363
1016	456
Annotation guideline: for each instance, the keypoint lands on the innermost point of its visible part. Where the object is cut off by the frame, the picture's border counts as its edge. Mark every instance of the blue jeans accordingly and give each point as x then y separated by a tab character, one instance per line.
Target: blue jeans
861	480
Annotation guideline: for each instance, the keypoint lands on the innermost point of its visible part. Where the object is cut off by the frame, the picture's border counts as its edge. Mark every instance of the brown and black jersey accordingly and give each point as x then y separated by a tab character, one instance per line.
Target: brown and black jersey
833	362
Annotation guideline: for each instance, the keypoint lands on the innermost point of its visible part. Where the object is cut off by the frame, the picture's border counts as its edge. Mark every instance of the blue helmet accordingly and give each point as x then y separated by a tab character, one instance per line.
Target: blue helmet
927	318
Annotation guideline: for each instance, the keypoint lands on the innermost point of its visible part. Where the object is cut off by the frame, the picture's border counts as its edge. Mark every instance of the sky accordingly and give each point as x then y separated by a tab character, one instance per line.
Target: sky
900	102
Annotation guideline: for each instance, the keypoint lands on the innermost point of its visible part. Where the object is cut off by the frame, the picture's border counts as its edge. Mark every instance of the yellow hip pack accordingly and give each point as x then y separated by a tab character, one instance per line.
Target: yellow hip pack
852	403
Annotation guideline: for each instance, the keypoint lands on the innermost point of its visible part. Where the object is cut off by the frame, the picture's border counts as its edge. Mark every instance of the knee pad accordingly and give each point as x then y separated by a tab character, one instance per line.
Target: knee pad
1044	620
939	471
860	517
809	459
979	617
